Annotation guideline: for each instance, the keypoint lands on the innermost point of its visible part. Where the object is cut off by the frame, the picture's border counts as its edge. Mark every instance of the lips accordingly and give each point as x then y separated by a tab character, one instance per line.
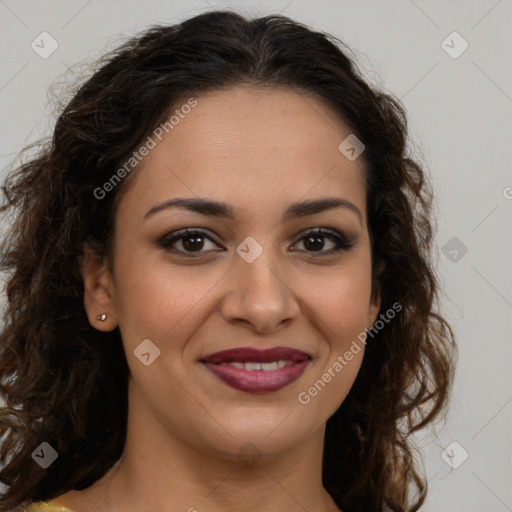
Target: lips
253	370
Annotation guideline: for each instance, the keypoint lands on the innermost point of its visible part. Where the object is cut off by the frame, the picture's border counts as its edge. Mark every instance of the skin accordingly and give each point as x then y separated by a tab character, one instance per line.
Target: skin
258	150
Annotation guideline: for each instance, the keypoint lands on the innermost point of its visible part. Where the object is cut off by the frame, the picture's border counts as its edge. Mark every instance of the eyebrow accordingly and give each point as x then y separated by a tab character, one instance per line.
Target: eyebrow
211	208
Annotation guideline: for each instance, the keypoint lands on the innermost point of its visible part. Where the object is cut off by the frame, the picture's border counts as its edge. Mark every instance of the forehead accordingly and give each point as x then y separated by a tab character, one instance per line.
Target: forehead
245	145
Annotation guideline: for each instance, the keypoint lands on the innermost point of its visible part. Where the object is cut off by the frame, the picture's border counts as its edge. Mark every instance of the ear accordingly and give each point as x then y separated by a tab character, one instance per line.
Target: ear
375	301
98	290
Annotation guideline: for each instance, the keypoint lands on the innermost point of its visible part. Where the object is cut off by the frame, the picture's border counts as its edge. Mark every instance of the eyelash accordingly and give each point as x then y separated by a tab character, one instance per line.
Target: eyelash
342	244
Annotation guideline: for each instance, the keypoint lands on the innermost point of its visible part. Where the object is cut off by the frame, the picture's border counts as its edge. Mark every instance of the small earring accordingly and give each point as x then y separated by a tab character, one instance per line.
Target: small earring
102	317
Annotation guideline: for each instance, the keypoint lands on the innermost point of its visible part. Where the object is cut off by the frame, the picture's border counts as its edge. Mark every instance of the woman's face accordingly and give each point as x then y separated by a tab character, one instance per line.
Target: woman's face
256	279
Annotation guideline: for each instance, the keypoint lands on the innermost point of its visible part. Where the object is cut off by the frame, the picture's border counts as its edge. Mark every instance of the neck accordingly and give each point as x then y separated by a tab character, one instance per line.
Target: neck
159	471
172	478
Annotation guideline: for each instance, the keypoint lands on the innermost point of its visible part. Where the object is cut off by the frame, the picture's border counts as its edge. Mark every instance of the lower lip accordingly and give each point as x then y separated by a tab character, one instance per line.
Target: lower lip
258	381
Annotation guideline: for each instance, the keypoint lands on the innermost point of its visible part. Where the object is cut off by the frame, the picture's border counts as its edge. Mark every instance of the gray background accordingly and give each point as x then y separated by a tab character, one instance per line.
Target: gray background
460	119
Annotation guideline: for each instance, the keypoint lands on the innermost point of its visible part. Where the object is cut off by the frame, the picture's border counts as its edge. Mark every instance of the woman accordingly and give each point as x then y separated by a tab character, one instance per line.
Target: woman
220	289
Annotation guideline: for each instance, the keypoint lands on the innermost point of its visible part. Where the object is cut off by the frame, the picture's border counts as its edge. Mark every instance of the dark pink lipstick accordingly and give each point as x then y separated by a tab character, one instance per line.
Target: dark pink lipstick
257	371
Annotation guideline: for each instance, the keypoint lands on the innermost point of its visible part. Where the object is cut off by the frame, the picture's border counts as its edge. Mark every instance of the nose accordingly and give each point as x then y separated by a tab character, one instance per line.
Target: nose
260	295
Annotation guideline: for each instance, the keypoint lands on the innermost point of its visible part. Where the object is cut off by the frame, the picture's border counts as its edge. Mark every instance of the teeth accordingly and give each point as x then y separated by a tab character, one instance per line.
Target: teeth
252	366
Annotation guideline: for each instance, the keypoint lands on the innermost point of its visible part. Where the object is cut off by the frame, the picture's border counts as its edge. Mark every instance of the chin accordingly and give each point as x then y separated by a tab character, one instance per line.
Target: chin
270	432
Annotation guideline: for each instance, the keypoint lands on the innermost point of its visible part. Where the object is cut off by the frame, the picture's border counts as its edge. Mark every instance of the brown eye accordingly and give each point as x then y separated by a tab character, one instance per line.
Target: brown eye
314	241
193	242
185	241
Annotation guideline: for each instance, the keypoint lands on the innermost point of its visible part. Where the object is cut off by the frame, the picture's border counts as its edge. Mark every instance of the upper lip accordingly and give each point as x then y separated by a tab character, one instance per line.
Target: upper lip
253	355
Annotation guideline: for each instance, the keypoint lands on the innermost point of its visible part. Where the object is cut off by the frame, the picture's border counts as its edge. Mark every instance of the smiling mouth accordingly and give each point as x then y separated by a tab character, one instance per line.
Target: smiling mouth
257	371
266	367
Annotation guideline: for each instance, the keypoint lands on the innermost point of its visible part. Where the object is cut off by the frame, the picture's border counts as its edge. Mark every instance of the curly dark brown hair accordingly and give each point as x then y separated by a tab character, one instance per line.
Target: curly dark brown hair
66	383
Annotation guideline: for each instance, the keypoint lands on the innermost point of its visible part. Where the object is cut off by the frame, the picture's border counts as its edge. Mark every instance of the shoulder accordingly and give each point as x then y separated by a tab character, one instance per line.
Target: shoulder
44	506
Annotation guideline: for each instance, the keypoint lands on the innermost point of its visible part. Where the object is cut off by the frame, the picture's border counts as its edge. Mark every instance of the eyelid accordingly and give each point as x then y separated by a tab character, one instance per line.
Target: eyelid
170	238
343	242
324	230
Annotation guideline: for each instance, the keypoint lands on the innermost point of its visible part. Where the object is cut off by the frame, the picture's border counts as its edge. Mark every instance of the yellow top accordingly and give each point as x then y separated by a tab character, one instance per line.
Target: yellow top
44	506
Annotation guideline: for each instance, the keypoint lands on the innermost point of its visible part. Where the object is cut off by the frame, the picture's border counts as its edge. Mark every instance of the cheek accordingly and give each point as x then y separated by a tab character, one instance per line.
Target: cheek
346	315
164	303
343	301
148	303
342	316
